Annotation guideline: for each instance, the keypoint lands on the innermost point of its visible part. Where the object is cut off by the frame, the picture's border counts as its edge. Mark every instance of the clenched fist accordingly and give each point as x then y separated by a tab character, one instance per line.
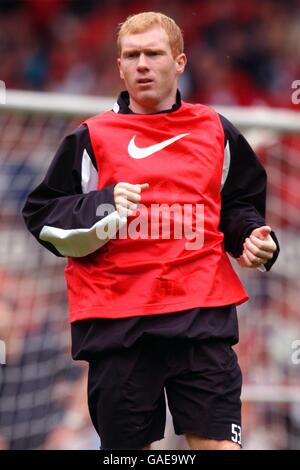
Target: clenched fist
127	196
258	248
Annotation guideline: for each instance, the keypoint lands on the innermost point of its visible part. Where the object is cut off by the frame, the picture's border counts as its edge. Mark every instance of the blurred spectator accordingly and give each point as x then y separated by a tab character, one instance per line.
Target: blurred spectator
241	53
42	393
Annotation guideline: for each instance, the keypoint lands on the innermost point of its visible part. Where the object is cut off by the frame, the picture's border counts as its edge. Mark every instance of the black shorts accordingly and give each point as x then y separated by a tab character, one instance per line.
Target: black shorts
202	381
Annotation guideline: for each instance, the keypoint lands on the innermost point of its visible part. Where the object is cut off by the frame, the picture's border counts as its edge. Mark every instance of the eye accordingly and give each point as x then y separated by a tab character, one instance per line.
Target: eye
131	55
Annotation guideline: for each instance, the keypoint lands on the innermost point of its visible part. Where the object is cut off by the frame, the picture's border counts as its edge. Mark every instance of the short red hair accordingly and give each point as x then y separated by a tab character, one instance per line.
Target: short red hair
142	22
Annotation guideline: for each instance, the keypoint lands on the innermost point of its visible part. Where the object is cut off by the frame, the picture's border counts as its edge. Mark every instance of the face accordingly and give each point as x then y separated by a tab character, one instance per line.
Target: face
149	70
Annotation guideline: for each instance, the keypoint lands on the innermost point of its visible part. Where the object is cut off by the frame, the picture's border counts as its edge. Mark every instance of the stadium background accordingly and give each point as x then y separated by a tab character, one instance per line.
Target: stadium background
244	54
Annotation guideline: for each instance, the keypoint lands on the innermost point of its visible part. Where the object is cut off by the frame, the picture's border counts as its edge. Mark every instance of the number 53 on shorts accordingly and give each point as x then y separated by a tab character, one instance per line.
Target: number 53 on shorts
236	433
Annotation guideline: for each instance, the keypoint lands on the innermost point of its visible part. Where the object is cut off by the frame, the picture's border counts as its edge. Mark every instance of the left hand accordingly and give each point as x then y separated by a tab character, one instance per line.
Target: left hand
258	248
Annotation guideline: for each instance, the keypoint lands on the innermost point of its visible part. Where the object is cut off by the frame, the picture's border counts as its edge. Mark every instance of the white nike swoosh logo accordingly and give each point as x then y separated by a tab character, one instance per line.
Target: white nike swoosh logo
136	152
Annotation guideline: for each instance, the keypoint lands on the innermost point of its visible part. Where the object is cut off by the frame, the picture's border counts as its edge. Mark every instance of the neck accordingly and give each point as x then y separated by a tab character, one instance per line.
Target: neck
151	107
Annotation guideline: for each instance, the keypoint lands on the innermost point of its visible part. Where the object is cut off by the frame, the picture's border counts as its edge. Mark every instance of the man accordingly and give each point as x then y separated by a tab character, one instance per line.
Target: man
151	312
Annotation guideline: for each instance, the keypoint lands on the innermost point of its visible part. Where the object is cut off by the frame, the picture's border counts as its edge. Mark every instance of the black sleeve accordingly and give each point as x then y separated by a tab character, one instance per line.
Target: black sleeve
59	200
243	195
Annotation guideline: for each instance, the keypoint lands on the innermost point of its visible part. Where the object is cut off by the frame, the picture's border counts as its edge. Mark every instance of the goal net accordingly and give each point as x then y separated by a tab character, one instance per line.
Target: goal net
36	380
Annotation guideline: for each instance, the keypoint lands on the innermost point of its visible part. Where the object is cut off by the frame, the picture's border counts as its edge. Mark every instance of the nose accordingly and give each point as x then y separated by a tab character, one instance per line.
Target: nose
142	64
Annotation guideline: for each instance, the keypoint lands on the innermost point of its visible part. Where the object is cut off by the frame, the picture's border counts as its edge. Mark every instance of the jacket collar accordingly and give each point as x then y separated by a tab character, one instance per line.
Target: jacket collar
123	102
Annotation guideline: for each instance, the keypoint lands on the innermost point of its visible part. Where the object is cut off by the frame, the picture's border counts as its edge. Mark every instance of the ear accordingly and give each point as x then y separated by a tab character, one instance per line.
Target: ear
181	61
120	68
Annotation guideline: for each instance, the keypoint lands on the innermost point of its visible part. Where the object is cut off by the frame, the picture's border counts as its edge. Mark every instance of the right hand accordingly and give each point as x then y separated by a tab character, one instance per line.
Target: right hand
127	196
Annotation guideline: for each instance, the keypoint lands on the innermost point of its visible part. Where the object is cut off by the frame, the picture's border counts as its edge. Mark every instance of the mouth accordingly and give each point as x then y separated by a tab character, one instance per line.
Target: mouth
144	81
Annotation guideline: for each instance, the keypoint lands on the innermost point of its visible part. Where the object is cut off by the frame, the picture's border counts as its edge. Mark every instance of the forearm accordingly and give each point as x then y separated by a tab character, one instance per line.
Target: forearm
69	225
243	195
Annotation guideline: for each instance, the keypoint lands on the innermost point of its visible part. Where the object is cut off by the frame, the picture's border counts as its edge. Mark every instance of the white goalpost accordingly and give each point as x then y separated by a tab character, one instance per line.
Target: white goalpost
31	128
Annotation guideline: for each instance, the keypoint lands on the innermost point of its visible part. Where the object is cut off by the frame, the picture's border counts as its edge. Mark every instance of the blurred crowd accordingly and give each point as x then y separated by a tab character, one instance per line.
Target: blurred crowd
240	53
